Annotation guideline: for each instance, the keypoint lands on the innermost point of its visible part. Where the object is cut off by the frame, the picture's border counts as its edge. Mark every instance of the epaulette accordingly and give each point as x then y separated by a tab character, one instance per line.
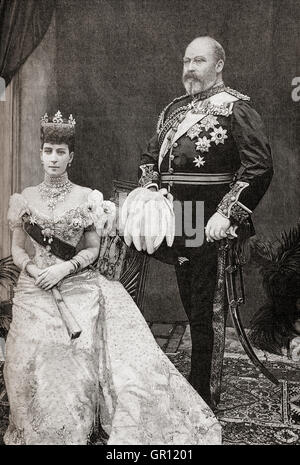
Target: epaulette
162	114
236	93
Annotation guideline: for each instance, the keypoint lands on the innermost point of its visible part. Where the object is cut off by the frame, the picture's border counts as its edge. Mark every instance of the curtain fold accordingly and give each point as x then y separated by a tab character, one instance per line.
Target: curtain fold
23	24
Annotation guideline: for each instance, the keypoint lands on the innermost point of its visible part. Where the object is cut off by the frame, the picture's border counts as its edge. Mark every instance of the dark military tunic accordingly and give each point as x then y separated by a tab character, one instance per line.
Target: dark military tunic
235	144
224	160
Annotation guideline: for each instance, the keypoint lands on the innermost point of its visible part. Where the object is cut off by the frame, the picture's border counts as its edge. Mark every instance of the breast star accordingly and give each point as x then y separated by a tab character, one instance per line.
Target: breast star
199	161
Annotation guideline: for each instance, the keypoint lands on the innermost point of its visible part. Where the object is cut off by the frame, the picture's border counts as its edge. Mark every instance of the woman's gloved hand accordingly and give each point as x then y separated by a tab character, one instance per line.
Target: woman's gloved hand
50	276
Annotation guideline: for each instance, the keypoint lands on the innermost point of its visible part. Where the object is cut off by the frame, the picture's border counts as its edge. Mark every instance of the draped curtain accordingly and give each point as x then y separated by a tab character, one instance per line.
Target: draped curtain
23	24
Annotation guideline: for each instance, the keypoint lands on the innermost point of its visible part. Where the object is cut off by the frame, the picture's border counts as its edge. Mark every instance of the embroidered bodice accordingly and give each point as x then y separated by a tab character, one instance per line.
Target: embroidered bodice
70	226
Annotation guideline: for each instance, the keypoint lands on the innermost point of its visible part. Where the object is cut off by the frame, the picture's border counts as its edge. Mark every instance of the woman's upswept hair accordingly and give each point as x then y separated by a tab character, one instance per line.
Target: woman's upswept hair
56	134
58	130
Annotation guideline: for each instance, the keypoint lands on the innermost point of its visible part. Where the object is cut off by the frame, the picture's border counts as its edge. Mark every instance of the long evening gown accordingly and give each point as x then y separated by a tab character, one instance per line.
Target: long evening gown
115	369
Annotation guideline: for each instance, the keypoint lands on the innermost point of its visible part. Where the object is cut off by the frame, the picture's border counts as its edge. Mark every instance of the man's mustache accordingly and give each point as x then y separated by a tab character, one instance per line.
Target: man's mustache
190	75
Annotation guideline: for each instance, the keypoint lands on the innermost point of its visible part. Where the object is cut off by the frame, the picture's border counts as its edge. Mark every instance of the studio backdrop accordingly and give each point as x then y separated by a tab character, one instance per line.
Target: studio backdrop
115	64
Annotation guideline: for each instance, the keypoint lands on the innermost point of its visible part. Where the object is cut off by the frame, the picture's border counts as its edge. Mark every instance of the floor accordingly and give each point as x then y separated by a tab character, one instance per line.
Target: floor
252	410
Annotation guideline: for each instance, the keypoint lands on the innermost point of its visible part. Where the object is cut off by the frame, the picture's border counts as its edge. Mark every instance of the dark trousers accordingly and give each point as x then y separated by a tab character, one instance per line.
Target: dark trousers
196	281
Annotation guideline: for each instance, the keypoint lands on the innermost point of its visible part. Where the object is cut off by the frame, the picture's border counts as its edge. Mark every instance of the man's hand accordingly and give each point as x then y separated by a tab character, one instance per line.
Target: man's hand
50	276
216	227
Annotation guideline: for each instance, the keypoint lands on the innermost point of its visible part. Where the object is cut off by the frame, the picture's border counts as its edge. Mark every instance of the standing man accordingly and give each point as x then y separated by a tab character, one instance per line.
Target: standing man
209	147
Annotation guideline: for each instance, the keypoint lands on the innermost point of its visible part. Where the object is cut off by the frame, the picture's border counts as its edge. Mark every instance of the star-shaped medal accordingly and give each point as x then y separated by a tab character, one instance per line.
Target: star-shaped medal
209	122
219	135
199	161
203	144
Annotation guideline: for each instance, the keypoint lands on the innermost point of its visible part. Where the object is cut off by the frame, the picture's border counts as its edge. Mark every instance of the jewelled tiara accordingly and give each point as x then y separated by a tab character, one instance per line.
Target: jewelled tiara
58	120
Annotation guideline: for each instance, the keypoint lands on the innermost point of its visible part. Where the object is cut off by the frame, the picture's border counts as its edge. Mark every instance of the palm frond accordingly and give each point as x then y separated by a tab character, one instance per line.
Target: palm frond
5	318
269	333
4	323
279	263
278	260
9	272
289	242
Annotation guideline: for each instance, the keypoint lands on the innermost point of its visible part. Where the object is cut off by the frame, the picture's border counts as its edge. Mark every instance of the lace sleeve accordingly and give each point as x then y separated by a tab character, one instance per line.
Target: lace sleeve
17	207
102	213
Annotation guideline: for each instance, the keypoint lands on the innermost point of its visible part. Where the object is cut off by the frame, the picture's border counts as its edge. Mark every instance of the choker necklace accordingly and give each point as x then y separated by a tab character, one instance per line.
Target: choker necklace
210	92
54	189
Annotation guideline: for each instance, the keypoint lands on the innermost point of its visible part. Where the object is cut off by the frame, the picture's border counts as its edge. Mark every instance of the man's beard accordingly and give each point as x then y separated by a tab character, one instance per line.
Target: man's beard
193	85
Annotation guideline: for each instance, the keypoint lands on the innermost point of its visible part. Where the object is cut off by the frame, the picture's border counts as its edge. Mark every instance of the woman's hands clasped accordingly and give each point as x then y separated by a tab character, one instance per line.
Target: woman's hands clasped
50	276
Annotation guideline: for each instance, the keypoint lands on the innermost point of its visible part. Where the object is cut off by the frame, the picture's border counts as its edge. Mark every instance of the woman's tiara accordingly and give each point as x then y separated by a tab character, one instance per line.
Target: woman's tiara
58	120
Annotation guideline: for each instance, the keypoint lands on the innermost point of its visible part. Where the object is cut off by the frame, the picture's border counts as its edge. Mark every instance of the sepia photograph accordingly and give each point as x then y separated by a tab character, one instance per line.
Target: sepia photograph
149	225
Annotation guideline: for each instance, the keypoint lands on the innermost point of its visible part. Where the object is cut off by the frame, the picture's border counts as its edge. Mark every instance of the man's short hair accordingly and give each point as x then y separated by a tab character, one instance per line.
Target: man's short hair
219	51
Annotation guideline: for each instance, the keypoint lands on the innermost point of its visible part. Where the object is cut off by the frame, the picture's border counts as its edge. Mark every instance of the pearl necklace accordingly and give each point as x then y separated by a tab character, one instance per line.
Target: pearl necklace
54	189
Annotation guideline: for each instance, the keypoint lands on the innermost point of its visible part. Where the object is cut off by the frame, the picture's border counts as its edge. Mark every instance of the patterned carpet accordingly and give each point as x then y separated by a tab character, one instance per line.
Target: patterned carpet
252	410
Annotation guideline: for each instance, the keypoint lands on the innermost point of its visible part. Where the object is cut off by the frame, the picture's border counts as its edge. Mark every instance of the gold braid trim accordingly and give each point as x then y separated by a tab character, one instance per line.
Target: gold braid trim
161	117
236	93
149	175
231	208
219	326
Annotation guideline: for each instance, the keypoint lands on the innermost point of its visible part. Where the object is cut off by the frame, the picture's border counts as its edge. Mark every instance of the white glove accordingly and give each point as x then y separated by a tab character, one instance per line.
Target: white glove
231	232
131	215
140	194
147	218
170	215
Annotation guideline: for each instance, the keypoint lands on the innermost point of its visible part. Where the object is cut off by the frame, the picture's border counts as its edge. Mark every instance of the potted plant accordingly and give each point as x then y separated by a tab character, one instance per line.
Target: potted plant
275	327
9	273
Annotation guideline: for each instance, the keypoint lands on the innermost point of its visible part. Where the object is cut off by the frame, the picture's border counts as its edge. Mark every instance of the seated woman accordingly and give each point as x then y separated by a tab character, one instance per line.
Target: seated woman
58	387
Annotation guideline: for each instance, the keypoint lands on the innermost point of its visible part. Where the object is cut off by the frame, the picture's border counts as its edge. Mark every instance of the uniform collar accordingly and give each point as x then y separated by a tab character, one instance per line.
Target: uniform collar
215	89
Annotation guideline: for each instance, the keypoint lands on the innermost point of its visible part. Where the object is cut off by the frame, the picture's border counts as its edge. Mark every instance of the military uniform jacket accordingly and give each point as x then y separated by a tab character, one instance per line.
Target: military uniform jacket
211	148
